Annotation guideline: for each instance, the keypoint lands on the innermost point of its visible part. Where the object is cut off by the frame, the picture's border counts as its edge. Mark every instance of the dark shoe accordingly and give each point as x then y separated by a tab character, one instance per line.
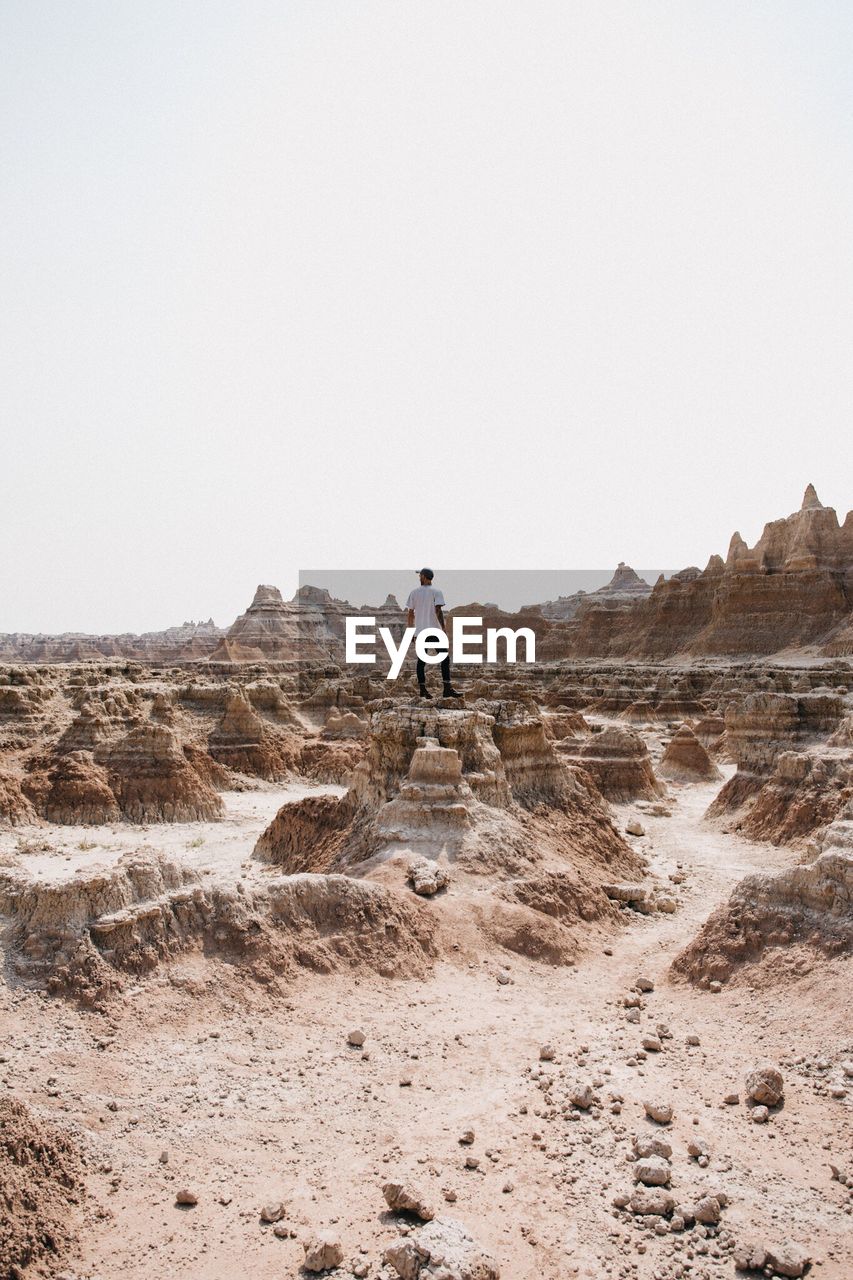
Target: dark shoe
450	692
424	691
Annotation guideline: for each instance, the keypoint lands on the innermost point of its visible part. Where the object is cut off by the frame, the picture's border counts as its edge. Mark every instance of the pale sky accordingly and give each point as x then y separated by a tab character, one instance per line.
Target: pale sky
487	285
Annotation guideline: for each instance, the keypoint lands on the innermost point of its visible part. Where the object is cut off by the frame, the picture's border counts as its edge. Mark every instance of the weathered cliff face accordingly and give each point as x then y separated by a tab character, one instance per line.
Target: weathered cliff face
272	628
803	794
795	587
78	791
795	771
15	807
310	628
153	781
625	586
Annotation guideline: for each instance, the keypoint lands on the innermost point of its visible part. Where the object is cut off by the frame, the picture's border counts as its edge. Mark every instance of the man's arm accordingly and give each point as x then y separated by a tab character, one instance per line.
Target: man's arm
410	618
439	613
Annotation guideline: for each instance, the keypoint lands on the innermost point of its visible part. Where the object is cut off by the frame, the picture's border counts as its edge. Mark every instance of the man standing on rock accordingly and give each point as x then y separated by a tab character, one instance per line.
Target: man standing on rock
425	611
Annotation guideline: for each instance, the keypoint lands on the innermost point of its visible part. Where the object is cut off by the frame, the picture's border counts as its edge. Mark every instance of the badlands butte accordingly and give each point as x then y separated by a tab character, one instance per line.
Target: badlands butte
304	975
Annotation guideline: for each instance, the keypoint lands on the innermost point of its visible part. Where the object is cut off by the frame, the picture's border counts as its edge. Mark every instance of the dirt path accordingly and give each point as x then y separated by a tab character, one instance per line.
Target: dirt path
257	1101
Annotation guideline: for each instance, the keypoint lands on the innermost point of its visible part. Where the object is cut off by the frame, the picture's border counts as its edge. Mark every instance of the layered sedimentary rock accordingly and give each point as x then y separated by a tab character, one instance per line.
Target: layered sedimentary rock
795	587
433	802
760	730
710	731
803	794
624	587
153	781
79	791
619	762
189	642
686	760
270	628
310	627
15	807
244	742
82	934
482	789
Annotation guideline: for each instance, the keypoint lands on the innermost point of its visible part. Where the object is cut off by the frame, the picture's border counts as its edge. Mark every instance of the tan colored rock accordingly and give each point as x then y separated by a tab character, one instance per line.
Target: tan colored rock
402	1199
442	1250
619	763
152	780
427	877
764	1084
686	760
651	1200
808	904
323	1252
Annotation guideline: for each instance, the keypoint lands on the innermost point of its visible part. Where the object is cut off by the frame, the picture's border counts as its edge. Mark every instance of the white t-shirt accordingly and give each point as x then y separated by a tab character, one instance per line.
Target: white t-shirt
424	601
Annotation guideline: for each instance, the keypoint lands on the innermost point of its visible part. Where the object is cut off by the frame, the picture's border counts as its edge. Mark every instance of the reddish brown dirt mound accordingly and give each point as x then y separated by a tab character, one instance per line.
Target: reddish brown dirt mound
40	1185
305	835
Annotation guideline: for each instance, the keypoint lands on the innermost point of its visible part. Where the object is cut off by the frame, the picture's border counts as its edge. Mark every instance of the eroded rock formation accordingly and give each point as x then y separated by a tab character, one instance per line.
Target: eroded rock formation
810	905
686	760
619	762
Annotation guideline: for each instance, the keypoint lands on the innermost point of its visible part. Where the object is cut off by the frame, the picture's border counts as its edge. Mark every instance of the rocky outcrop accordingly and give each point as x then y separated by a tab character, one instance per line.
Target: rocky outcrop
760	729
305	835
686	760
153	781
433	803
79	792
189	642
624	587
441	1250
809	905
244	742
618	761
15	806
534	771
436	785
795	587
79	936
803	794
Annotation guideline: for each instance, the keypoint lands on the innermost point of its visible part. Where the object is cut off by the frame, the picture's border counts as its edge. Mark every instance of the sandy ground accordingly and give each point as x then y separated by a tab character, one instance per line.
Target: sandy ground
218	849
254	1100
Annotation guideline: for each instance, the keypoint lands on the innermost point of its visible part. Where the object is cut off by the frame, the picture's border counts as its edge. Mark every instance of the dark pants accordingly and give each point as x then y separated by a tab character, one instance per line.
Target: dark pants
420	666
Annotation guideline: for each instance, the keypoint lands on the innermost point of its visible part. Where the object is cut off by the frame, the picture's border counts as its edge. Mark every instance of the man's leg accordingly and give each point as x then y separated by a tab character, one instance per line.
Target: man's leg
448	691
420	668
